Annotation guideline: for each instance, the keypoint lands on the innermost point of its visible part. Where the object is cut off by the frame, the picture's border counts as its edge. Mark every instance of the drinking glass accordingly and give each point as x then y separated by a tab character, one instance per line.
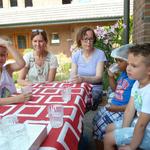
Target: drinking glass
114	68
66	93
18	132
26	89
55	114
9	120
4	143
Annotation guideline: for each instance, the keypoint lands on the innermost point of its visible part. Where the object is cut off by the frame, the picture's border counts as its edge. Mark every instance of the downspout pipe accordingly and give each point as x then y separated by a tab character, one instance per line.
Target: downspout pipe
126	21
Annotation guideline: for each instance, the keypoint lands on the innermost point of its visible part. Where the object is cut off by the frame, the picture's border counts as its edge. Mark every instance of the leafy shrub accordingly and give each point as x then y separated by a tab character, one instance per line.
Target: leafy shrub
108	38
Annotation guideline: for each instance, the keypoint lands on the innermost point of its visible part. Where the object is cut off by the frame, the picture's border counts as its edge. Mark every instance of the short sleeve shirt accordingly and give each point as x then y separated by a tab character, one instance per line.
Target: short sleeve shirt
88	68
123	90
141	97
37	73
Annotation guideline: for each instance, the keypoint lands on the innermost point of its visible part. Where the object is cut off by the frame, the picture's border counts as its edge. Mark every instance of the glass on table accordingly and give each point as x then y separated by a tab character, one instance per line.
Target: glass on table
18	132
9	120
4	143
55	114
14	132
26	89
66	92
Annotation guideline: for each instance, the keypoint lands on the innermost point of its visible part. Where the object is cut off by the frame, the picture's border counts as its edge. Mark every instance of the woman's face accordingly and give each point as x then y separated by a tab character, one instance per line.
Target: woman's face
38	43
87	41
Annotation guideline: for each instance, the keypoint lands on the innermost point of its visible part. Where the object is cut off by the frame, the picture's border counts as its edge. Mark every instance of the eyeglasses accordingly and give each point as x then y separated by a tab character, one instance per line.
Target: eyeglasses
37	30
86	40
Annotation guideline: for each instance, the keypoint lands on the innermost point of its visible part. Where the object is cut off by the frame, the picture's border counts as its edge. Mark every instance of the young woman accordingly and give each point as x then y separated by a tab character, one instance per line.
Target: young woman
41	65
88	63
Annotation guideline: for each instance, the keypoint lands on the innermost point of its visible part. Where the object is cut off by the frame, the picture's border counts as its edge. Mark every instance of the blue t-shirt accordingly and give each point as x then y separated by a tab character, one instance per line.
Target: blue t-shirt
123	90
88	68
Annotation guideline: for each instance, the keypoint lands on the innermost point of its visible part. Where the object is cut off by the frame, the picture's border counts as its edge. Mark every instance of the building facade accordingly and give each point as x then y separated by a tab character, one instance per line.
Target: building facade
60	18
141	21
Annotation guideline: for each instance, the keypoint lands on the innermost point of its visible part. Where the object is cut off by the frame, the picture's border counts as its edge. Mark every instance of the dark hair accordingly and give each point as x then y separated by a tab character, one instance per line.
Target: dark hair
141	49
82	33
36	32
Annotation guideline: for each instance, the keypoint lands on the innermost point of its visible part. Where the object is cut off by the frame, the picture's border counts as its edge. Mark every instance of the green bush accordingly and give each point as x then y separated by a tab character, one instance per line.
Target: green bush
108	38
63	71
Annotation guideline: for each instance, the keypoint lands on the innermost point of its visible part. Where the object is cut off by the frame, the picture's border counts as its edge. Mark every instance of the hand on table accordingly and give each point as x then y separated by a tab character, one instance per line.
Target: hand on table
76	79
23	97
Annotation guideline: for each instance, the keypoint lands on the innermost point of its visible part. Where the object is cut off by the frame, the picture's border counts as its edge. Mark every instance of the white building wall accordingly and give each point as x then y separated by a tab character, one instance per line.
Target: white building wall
6	3
42	3
36	3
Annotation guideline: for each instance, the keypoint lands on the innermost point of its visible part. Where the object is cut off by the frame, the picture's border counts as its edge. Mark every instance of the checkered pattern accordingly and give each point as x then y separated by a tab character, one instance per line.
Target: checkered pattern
35	112
102	119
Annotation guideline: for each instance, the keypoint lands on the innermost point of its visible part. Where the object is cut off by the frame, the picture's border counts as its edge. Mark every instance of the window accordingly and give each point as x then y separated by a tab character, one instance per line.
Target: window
66	1
55	38
13	3
28	3
21	40
1	3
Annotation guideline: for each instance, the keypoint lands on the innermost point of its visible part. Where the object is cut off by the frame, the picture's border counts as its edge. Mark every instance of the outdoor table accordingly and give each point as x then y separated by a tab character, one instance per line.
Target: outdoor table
35	111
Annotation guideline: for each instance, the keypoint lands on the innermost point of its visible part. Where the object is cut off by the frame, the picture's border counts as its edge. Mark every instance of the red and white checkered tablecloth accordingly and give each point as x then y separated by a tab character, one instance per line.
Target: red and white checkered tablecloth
35	111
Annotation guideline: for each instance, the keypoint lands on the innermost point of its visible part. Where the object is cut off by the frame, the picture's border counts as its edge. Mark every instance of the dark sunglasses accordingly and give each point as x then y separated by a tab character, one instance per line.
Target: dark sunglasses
37	30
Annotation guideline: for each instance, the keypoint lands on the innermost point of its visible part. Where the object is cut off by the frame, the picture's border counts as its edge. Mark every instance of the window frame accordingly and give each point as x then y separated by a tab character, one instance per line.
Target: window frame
1	3
28	3
17	41
54	41
13	3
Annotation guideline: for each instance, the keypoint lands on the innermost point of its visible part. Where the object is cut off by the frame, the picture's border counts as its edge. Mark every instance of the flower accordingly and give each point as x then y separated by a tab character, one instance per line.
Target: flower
109	37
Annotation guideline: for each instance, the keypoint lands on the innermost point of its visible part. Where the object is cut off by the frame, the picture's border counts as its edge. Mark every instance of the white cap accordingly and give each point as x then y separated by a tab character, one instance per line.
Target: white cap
121	52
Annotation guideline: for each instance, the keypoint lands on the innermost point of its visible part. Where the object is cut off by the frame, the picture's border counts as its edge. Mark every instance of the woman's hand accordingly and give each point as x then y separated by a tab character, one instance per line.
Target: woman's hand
23	97
77	79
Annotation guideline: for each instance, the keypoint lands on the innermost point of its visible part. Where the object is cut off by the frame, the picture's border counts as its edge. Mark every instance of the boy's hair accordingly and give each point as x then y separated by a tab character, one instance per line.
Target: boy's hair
143	50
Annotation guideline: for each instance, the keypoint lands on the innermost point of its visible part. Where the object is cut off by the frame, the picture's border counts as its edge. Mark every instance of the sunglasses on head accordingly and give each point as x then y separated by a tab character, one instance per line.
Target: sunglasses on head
37	30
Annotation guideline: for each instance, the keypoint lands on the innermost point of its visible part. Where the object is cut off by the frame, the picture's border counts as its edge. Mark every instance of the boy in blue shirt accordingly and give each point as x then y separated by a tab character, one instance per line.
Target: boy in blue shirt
134	130
122	90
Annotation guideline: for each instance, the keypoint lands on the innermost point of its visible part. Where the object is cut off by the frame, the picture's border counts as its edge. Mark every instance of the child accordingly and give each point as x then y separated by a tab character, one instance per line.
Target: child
134	131
122	89
7	87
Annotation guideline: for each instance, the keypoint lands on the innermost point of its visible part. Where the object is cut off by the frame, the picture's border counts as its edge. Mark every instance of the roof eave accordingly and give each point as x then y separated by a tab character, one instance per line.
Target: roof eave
54	22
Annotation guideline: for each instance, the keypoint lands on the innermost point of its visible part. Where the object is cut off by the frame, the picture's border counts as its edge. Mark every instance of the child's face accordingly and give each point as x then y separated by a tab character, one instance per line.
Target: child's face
136	68
122	64
3	56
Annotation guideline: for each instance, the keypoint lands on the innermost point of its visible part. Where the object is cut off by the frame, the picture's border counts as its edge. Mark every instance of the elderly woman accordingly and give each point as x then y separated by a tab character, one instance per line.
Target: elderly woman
88	63
41	65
